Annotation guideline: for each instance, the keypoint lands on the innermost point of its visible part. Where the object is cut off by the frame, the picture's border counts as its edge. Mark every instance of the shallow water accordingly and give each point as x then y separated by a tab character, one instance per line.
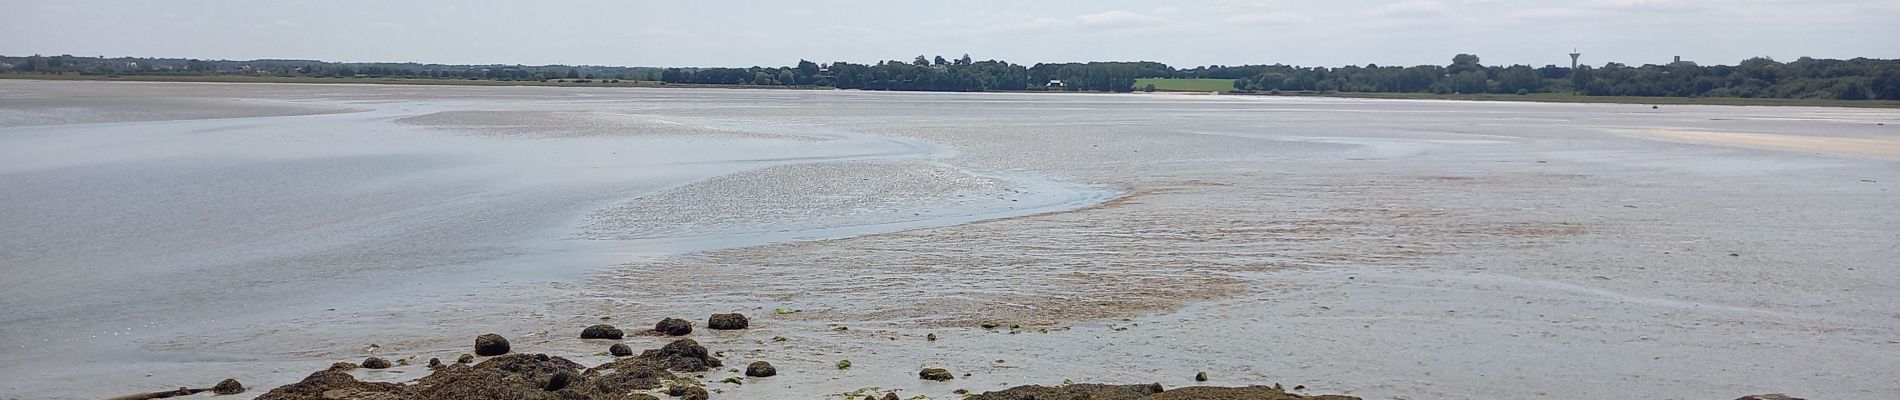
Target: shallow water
1380	248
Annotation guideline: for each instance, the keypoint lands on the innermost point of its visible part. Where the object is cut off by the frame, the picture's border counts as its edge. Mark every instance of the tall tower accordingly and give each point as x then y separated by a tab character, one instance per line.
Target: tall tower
1573	58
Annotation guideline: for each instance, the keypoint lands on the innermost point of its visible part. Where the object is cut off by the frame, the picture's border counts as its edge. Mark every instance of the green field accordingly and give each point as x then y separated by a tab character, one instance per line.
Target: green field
1571	98
1186	85
371	80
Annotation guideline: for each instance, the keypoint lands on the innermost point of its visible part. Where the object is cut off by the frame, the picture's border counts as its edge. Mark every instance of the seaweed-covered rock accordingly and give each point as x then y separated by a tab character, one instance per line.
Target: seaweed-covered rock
602	331
343	366
1077	391
337	385
683	355
1237	393
935	374
673	327
228	386
889	396
509	376
614	378
694	393
512	376
620	350
560	380
465	359
375	363
760	369
727	321
1144	392
182	391
491	345
435	363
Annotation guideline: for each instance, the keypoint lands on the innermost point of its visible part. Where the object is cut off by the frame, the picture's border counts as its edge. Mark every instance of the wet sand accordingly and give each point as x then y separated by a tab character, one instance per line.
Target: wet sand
1376	248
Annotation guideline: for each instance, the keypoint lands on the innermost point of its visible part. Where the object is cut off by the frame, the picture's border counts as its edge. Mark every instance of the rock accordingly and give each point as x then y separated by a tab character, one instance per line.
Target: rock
734	380
1250	392
694	393
1200	377
334	384
620	350
931	337
890	396
935	374
560	380
435	363
511	376
375	363
602	331
1150	391
1076	391
343	366
465	359
673	327
682	355
760	369
228	386
158	395
1774	396
491	345
625	378
844	364
727	322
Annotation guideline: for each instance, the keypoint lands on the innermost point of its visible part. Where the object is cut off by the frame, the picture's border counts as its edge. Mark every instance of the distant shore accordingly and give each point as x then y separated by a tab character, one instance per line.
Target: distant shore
1534	97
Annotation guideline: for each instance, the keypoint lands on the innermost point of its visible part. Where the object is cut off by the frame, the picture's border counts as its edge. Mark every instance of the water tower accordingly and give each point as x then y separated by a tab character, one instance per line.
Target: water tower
1573	58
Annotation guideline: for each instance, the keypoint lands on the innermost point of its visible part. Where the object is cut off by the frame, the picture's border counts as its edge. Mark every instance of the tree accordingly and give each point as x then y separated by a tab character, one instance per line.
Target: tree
1519	78
940	61
1463	63
573	73
1150	88
1580	78
920	61
807	72
1886	86
1468	82
965	60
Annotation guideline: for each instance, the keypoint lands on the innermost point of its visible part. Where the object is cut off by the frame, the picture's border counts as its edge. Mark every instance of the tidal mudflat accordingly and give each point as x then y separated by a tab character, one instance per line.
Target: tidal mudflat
158	235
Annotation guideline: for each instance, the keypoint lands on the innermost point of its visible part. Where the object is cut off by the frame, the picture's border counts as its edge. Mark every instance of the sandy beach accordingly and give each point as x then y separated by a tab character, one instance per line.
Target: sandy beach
156	235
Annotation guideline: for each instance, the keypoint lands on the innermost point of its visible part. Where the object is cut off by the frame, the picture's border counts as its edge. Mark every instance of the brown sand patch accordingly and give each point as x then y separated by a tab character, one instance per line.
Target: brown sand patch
1881	147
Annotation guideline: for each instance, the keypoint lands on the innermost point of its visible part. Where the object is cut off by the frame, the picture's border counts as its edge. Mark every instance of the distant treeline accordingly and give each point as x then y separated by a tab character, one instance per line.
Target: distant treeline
1855	79
186	67
1806	78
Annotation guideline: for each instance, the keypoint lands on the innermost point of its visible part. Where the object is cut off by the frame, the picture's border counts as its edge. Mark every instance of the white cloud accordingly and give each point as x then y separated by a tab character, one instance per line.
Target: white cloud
1269	18
1414	8
1119	18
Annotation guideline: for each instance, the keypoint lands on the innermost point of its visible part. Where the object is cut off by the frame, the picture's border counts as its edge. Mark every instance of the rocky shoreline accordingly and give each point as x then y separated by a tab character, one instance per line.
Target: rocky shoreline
494	370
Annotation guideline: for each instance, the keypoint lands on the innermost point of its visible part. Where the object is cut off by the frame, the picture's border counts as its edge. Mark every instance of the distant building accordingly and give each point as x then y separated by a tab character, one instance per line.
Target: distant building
1054	83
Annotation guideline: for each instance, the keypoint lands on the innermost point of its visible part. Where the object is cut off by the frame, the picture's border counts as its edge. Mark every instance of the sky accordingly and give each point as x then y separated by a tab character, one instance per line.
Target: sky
771	33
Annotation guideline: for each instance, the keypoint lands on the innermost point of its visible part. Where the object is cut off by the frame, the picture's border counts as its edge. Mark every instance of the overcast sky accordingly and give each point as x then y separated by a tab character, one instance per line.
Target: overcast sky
758	32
